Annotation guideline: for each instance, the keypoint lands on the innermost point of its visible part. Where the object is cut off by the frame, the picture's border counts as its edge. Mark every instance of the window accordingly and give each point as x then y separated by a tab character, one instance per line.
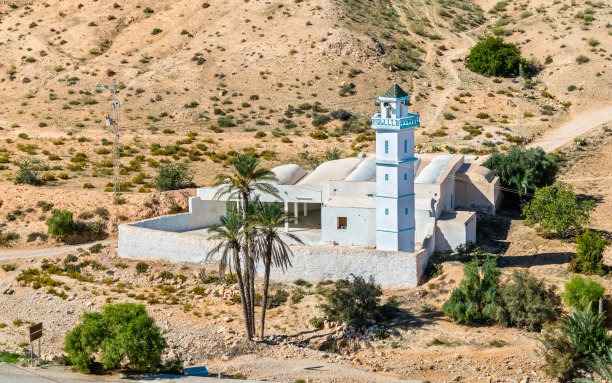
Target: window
386	211
386	147
342	224
386	177
405	176
406	210
405	146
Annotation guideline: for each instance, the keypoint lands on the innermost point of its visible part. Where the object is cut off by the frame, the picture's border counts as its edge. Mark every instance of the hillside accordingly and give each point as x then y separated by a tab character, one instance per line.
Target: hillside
200	81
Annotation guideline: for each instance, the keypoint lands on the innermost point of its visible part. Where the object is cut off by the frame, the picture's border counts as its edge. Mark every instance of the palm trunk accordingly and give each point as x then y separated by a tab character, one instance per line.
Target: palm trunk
249	267
242	295
264	303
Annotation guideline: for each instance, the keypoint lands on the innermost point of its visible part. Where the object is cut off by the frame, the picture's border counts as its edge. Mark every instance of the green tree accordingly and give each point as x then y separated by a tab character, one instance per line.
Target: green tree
357	303
121	334
557	208
525	302
580	293
230	236
28	172
524	169
271	247
174	176
590	247
474	300
247	179
493	57
60	224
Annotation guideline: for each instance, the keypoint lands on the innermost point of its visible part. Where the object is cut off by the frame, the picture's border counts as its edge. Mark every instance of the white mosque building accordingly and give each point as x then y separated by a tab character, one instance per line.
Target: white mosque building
380	215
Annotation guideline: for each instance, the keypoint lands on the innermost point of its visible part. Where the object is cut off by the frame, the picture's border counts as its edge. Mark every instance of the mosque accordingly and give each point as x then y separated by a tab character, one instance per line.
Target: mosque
381	214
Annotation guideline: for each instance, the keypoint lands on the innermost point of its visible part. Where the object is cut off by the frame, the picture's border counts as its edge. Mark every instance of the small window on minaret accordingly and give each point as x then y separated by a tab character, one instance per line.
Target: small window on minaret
406	210
405	176
405	146
342	223
386	177
386	211
386	147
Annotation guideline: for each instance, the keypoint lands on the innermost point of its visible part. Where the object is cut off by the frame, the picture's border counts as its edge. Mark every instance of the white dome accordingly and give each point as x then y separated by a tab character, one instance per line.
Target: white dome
288	174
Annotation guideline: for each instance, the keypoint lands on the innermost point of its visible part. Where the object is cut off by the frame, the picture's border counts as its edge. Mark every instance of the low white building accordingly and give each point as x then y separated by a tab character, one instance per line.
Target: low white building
382	214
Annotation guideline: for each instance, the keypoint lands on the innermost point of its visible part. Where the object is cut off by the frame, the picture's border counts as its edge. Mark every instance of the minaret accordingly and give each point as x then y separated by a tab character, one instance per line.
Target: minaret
395	171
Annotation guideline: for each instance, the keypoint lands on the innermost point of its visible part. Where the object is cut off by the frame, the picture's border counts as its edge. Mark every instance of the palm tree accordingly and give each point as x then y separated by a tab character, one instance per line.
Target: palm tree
230	236
247	179
271	247
523	182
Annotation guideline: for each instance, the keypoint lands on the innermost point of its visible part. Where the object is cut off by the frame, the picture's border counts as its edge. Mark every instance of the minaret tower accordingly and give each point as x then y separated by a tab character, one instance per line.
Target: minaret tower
395	171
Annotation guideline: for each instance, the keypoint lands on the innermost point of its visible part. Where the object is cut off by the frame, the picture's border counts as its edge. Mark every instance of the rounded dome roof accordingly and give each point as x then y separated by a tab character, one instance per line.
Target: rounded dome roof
288	174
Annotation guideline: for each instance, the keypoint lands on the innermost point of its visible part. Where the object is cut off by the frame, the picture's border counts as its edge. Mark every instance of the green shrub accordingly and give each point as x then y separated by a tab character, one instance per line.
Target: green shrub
590	247
28	172
316	322
302	282
278	298
580	293
525	303
297	294
174	176
122	334
493	57
557	208
474	300
60	224
580	338
356	303
142	267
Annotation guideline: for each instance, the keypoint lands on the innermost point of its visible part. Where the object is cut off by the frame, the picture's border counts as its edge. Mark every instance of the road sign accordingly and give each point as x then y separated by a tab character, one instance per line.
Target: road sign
36	332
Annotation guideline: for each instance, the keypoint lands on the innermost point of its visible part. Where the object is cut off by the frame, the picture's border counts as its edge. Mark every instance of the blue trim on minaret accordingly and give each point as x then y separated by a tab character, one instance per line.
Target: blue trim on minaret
395	209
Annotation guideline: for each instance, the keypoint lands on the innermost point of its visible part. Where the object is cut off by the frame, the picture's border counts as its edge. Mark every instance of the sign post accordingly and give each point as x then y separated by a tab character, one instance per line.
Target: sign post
36	332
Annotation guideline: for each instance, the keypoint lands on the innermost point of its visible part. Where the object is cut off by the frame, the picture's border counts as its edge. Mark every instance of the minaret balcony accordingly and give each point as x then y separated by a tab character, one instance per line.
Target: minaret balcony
409	121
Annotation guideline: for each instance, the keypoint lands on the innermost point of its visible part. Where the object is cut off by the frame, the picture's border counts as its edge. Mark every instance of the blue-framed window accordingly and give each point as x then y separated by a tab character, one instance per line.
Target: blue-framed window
386	177
405	146
405	176
406	210
386	147
386	211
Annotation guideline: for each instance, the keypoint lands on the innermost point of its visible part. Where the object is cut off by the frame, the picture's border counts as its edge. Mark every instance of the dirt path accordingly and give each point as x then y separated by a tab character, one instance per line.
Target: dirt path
577	127
291	370
47	252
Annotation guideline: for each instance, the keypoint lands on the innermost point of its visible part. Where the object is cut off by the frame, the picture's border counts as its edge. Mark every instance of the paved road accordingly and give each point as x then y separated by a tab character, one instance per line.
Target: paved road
577	127
16	374
48	251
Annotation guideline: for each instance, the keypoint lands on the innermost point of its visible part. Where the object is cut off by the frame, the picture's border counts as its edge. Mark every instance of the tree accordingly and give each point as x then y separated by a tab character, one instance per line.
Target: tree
230	236
60	224
28	172
524	169
121	333
557	208
174	176
247	179
493	57
526	302
357	303
590	247
580	293
474	300
271	247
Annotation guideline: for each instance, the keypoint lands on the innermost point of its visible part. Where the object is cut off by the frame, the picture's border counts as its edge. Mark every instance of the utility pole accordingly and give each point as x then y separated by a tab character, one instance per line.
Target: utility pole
114	122
521	99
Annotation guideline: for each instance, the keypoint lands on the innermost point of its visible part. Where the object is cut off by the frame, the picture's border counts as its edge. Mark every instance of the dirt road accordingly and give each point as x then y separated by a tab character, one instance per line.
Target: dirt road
48	251
577	127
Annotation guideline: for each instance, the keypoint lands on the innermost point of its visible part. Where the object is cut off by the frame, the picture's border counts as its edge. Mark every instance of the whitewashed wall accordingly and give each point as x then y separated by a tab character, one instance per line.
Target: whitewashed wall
389	268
